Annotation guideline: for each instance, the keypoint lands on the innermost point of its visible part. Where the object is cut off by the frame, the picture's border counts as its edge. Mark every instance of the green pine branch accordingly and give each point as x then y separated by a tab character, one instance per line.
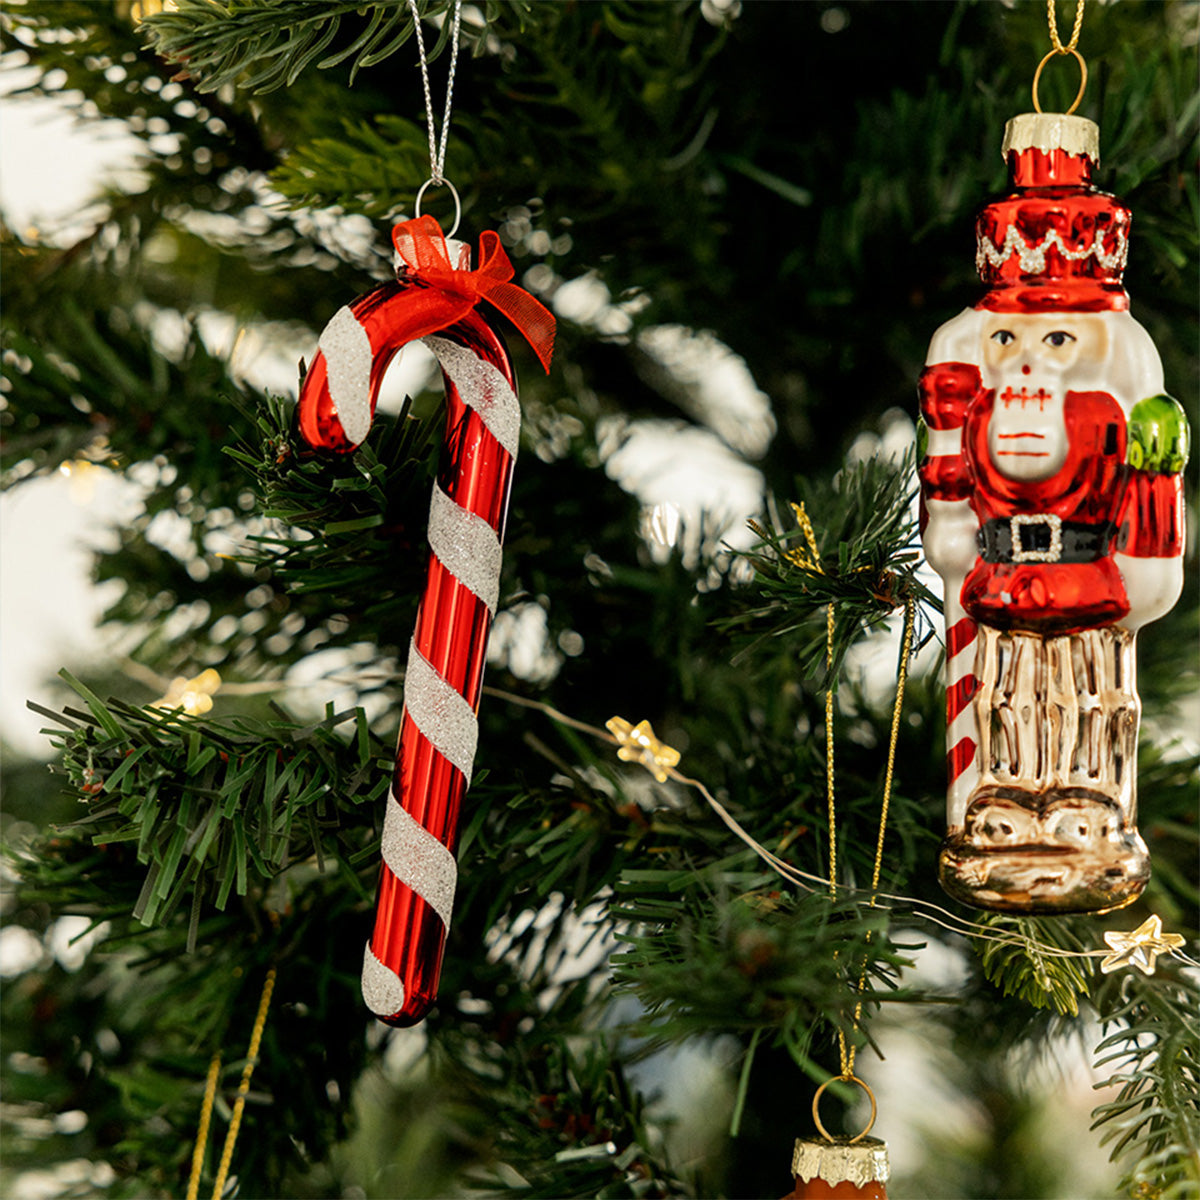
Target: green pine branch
350	526
268	44
1023	970
865	565
211	810
718	949
1153	1124
373	167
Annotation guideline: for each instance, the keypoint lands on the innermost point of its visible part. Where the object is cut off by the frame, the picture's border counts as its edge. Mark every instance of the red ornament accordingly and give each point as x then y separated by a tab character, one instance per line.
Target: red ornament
1052	507
435	299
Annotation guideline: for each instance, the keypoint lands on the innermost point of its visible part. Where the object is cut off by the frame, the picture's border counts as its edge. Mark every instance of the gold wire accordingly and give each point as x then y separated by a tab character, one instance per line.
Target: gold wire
829	788
846	1054
1052	16
812	560
235	1121
1059	48
901	679
210	1094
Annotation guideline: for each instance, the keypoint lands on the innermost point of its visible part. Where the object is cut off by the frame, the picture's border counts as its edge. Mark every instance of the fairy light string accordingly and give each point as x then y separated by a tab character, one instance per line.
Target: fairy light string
923	910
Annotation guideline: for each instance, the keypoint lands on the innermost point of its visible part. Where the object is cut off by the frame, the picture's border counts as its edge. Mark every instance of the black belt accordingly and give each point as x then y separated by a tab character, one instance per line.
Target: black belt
1041	537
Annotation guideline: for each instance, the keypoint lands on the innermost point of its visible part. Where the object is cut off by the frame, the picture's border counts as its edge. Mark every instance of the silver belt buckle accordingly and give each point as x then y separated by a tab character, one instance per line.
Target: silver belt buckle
1019	554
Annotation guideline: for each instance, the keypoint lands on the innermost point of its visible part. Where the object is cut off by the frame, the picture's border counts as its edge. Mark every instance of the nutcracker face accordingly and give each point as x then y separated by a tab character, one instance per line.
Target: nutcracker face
1032	361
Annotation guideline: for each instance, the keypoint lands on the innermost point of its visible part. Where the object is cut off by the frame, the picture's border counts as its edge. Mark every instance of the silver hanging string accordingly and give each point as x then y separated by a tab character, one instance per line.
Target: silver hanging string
437	149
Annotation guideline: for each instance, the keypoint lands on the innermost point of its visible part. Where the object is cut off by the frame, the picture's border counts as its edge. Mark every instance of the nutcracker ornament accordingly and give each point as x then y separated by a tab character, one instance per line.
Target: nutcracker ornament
1052	508
435	299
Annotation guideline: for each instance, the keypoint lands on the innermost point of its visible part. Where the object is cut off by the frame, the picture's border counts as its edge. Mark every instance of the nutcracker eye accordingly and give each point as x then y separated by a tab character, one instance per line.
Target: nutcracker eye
1060	337
1004	336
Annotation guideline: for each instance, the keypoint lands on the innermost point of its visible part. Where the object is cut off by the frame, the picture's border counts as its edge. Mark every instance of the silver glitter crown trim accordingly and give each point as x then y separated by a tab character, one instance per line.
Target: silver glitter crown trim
1033	257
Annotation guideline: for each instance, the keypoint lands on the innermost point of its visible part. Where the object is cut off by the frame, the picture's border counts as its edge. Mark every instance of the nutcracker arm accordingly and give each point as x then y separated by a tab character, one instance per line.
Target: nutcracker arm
948	386
1150	530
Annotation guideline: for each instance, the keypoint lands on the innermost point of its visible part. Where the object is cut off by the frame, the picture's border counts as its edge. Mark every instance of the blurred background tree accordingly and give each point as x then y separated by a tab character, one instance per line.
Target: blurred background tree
749	218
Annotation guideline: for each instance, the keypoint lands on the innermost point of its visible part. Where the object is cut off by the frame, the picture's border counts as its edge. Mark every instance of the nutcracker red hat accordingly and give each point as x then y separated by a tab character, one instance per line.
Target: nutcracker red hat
1055	243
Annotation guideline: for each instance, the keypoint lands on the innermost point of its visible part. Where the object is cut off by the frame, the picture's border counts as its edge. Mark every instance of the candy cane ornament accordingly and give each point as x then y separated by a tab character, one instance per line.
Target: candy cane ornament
434	300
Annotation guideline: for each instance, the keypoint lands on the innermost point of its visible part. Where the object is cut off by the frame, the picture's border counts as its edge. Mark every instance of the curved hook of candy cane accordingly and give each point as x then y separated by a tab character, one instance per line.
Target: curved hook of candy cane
341	386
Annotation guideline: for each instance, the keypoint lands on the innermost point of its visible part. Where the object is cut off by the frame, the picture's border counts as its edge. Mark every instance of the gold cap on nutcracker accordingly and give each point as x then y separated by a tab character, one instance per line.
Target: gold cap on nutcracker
1046	132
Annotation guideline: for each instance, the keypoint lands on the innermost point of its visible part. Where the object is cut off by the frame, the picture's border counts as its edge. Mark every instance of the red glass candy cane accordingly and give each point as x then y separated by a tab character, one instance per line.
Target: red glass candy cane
434	299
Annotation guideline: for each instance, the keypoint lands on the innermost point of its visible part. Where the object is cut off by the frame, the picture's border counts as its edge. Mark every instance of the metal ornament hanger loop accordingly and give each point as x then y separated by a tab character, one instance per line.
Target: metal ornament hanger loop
844	1078
453	192
1083	77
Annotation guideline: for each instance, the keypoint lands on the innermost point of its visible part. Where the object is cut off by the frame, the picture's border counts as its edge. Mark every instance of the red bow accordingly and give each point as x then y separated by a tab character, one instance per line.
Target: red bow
423	250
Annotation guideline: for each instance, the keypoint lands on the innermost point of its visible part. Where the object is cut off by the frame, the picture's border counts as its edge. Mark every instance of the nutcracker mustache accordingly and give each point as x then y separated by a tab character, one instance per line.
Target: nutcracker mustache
433	295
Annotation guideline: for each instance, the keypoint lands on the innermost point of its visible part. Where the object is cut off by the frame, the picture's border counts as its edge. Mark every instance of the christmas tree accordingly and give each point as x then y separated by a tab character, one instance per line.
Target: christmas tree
748	218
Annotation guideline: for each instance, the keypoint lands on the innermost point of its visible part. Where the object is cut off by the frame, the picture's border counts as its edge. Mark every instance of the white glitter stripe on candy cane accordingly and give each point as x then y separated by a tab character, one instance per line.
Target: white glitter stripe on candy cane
348	356
440	713
419	860
467	547
381	987
482	387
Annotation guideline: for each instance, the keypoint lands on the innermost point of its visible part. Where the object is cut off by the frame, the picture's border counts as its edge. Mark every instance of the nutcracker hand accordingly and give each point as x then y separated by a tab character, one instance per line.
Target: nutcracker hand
1152	585
1158	435
949	538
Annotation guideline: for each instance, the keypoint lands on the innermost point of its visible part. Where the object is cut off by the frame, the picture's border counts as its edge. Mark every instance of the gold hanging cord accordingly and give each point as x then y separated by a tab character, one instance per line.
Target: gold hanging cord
210	1093
1059	48
847	1052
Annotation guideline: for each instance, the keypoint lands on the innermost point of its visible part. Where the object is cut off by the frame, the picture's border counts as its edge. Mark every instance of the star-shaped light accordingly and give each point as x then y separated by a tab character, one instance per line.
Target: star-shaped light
639	745
1140	948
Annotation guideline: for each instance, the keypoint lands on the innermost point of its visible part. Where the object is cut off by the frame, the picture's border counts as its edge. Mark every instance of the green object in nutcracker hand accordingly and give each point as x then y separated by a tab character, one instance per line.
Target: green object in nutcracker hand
1158	435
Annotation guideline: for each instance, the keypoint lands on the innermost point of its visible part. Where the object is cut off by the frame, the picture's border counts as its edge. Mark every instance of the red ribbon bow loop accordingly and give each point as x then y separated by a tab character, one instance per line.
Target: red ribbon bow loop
422	248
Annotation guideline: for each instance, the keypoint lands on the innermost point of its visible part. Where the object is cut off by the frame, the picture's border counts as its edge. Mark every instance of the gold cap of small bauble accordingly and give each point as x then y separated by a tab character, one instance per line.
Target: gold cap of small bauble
841	1160
1052	131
